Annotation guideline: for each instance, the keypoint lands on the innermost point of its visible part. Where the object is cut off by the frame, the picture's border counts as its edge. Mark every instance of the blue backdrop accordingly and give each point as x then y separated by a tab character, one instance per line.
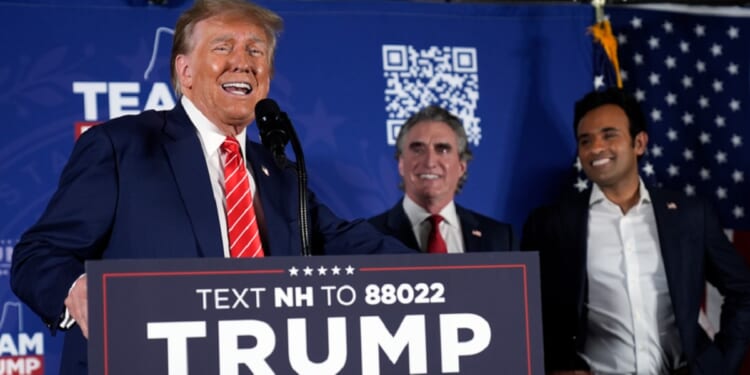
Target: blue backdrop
347	73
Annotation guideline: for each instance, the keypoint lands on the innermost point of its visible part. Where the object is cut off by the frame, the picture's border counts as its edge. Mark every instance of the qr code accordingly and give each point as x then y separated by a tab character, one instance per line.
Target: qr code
445	76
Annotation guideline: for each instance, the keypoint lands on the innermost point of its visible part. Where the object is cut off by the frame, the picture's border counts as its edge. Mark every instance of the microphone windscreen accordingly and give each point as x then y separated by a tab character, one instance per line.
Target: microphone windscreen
266	109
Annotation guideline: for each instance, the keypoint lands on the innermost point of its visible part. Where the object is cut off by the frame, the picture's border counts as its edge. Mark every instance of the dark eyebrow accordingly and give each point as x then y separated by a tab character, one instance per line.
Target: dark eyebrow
608	129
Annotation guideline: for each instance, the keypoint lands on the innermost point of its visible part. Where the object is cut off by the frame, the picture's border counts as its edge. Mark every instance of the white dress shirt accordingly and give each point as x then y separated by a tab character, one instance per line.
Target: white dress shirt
450	227
211	139
631	323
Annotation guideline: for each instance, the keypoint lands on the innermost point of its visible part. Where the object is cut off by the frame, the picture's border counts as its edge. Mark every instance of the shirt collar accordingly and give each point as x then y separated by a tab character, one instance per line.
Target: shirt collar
210	134
597	195
418	215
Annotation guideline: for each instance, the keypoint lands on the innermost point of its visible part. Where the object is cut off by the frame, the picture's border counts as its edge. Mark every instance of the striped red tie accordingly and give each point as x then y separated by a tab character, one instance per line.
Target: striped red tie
244	236
435	242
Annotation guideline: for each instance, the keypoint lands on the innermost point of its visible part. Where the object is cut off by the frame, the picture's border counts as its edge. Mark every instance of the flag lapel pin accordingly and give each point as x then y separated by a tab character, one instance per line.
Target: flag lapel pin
476	233
672	205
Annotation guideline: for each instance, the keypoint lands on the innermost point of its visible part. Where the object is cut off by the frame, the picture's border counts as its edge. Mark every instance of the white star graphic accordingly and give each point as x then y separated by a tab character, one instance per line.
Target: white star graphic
687	81
716	50
672	134
700	30
653	42
624	74
736	140
648	169
733	69
636	22
598	82
308	271
335	270
703	102
654	79
684	46
293	271
322	271
721	157
638	59
673	170
738	176
349	270
700	66
622	39
656	150
733	32
687	118
671	99
689	190
687	154
667	26
720	121
655	115
721	193
581	185
705	174
734	104
738	212
577	165
640	95
704	138
718	85
670	62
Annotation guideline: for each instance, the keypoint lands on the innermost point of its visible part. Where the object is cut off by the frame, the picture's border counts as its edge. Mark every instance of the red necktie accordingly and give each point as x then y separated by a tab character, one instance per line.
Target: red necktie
244	236
435	242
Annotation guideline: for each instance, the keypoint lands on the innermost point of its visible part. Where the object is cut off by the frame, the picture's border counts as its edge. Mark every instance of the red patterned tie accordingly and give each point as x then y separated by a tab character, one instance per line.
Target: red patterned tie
435	243
244	237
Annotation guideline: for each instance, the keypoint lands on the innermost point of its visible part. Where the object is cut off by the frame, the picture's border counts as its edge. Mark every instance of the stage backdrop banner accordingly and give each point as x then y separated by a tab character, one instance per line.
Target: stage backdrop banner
395	314
347	74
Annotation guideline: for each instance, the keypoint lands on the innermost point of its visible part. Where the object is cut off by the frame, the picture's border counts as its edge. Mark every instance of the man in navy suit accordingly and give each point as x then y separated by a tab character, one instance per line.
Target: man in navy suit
624	266
151	185
433	154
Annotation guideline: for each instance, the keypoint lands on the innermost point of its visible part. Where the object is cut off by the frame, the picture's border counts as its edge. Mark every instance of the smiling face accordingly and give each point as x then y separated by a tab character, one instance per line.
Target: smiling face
227	71
430	165
608	154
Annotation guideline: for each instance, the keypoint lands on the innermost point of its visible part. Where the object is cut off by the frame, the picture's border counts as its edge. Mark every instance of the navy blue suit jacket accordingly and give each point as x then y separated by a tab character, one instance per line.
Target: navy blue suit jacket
138	187
480	232
694	249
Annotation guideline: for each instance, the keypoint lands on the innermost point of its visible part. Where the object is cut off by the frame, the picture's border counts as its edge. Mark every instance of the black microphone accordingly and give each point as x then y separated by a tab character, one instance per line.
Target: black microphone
274	128
275	132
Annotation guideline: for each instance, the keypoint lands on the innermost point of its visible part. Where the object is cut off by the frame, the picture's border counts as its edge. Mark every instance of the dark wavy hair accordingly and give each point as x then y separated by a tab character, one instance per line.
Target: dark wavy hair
614	96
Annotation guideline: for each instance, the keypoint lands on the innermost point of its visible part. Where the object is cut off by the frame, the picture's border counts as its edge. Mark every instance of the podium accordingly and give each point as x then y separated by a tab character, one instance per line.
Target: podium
475	313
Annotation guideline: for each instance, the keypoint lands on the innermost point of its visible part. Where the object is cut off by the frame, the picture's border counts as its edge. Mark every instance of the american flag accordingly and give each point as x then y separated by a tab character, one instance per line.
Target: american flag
689	71
690	74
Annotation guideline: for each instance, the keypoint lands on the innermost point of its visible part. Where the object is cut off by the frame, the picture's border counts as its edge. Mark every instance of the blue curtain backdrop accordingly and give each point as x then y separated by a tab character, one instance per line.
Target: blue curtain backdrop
347	73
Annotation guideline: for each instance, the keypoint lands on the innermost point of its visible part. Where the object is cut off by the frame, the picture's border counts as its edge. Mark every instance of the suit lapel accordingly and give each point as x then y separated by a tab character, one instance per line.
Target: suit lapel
184	153
399	223
574	224
279	213
470	231
668	225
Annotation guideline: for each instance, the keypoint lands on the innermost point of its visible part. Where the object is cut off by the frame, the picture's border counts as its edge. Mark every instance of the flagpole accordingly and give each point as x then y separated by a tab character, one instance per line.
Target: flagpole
599	9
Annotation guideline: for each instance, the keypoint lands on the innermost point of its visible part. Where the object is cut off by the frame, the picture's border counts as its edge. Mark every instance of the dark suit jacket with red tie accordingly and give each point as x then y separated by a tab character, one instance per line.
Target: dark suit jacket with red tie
138	187
694	249
480	232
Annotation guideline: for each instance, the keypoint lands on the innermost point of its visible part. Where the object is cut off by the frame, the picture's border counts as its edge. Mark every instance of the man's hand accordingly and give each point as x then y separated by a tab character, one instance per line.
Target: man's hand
78	305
